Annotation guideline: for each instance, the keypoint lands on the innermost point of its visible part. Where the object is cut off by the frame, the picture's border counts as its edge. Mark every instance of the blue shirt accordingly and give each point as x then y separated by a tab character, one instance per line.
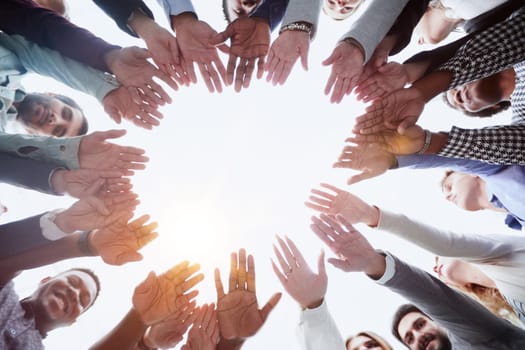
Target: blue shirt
505	184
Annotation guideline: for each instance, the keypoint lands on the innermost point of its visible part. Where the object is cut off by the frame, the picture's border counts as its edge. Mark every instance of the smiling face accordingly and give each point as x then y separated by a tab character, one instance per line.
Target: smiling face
340	9
419	332
46	115
464	190
234	9
362	342
66	296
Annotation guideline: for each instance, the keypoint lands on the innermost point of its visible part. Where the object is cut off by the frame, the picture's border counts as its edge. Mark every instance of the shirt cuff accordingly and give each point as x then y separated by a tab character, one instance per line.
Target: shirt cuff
49	229
51	183
390	269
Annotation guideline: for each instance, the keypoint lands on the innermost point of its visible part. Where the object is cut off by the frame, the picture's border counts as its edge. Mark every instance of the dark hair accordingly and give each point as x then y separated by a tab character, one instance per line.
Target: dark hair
225	11
484	113
72	103
383	343
92	275
445	177
401	312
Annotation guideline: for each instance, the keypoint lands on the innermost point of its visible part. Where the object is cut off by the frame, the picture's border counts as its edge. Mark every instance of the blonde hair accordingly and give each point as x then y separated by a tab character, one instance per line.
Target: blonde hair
493	300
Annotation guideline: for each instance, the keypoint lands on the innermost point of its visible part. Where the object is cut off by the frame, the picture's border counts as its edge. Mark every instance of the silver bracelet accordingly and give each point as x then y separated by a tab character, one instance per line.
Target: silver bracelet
298	26
428	138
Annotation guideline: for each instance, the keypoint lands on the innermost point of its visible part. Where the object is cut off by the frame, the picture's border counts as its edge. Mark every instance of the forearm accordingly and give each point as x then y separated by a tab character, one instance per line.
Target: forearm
431	85
372	26
62	152
126	334
48	29
122	11
27	173
272	12
429	161
52	64
230	344
173	8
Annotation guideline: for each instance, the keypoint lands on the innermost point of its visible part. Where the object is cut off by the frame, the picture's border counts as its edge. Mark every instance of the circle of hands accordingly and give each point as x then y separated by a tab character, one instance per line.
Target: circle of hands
166	303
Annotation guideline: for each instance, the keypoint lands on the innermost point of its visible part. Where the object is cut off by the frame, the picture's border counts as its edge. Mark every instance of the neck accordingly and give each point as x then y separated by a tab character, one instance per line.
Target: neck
33	310
508	83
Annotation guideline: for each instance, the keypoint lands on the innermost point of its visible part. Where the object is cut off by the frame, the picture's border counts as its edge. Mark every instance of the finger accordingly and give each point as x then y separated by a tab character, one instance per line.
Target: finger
323	202
95	187
321	268
260	67
187	285
278	71
304	59
221	37
290	259
128	257
146	239
287	68
328	196
218	285
250	277
176	270
214	75
239	73
360	177
270	305
284	265
241	275
109	134
320	228
316	207
332	188
233	281
337	229
330	83
98	205
338	91
206	76
137	223
188	68
298	257
248	73
230	70
278	273
339	263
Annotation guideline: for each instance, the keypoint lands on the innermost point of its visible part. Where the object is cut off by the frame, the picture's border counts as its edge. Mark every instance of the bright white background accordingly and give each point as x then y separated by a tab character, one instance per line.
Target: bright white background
232	170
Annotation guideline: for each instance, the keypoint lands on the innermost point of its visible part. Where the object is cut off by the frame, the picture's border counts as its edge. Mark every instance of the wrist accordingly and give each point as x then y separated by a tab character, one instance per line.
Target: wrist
300	26
373	216
110	58
140	23
313	305
426	142
376	266
84	244
357	46
64	222
437	142
57	181
181	19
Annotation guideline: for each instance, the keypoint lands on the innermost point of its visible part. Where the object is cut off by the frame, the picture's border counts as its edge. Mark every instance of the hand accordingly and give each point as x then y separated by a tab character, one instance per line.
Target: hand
347	66
379	58
91	212
131	66
204	334
95	153
285	50
237	311
169	332
397	110
343	203
158	297
250	39
119	242
306	287
119	104
351	247
388	78
194	39
391	141
80	183
370	159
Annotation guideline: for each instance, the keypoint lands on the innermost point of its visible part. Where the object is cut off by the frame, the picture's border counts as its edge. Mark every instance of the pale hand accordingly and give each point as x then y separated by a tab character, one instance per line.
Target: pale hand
387	79
194	37
119	104
250	40
157	297
96	153
370	159
289	46
347	66
119	242
398	110
80	183
237	311
204	334
305	286
354	252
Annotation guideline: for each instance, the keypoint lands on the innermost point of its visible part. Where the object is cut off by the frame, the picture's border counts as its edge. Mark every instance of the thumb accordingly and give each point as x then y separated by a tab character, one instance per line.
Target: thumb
221	37
321	268
360	177
269	306
139	52
109	134
329	60
95	187
128	257
339	264
224	48
98	205
304	59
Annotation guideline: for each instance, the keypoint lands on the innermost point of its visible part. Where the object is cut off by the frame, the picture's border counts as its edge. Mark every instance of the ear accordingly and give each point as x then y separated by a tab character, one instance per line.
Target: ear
45	279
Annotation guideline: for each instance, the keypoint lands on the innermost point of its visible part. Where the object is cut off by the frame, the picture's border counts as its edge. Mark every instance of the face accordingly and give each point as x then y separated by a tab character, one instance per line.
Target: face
418	332
64	297
340	9
464	190
54	5
362	342
484	93
455	272
241	8
45	115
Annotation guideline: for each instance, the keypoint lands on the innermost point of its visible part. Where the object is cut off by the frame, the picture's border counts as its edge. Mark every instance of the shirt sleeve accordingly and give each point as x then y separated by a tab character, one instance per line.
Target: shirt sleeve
121	11
374	23
488	52
51	63
48	29
504	144
62	152
317	330
465	319
472	247
26	173
428	161
19	236
176	7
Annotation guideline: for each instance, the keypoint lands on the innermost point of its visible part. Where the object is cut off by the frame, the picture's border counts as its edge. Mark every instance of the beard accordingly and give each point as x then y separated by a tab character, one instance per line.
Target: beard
444	342
26	108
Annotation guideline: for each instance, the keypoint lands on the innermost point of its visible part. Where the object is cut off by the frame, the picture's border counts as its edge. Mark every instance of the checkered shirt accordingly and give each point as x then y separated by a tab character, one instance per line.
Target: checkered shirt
504	144
490	51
